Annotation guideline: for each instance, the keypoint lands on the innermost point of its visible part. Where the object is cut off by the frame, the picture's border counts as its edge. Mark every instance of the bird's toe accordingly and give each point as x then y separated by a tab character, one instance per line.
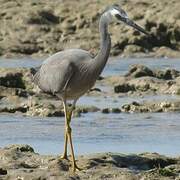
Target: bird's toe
64	157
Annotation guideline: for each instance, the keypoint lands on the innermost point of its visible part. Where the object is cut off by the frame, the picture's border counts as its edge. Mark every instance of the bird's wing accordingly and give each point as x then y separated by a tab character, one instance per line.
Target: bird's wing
57	70
54	77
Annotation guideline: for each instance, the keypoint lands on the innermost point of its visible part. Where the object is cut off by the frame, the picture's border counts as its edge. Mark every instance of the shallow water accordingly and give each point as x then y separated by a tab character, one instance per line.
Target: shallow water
23	62
115	102
97	132
114	66
121	66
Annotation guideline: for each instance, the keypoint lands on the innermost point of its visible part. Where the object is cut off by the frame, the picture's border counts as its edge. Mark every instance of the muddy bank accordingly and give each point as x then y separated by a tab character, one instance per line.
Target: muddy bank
43	27
20	161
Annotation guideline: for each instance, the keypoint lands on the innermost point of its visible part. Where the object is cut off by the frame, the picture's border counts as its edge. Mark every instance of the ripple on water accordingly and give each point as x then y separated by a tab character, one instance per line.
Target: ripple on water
96	132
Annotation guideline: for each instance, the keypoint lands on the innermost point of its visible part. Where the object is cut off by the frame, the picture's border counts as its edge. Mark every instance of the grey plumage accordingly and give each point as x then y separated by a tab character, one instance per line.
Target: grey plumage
65	70
71	73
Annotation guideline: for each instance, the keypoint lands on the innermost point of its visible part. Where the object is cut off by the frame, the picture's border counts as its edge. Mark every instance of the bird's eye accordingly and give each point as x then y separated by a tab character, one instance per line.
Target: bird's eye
119	17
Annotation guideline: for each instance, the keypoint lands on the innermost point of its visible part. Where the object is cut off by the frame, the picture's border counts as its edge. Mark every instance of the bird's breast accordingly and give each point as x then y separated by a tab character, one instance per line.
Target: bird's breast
79	84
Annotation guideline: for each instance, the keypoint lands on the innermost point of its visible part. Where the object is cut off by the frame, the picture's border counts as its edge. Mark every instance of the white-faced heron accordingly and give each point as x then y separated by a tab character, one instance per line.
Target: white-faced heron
71	73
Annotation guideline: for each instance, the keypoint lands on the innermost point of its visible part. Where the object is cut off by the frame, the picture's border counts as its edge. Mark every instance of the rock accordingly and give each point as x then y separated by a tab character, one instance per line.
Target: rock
3	171
116	110
123	88
30	165
130	49
11	79
166	172
12	104
175	86
119	46
44	110
36	28
166	52
13	109
105	111
16	78
21	148
167	74
38	106
4	91
69	28
113	110
142	80
25	48
164	106
143	85
41	17
84	109
138	70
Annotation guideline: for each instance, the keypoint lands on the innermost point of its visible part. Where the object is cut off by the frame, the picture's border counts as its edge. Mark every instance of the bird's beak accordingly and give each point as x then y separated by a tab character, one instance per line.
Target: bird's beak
131	23
135	26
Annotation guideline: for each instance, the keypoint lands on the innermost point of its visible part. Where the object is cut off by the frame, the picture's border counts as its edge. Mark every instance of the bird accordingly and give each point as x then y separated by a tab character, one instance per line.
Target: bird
70	73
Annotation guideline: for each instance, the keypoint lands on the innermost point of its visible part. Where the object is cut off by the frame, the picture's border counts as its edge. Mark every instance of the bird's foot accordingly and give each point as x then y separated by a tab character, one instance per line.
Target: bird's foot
64	156
75	168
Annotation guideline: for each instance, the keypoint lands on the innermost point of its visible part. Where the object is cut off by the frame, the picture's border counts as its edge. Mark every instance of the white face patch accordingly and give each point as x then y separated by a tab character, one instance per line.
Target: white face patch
114	12
121	13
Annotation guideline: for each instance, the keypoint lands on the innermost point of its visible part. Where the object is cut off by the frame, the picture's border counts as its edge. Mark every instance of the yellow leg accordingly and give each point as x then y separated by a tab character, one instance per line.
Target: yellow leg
68	136
64	156
74	165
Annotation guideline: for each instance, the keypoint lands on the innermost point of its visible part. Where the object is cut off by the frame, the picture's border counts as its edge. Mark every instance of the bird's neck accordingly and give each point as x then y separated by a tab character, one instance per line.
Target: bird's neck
105	46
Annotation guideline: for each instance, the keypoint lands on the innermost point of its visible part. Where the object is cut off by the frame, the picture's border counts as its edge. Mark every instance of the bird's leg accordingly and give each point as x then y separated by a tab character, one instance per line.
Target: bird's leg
68	115
69	135
64	156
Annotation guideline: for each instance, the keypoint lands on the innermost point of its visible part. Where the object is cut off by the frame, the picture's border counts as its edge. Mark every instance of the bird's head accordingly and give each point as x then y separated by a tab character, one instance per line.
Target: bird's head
116	13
